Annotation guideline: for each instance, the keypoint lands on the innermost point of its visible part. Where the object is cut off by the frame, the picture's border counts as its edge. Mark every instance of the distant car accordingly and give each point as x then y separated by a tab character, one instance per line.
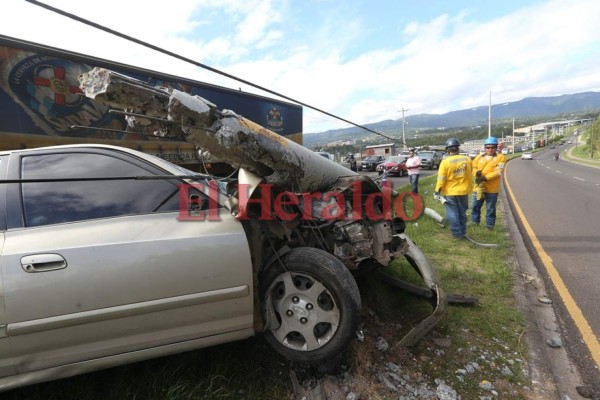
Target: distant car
527	156
569	142
327	155
505	151
394	165
370	163
552	146
430	159
404	154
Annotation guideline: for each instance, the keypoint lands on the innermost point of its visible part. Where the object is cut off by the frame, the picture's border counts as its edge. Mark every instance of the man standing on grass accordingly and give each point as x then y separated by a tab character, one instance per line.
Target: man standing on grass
487	170
413	165
455	182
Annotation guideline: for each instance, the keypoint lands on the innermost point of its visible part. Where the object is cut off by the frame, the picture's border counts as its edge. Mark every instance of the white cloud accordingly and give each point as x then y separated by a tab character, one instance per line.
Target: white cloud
316	54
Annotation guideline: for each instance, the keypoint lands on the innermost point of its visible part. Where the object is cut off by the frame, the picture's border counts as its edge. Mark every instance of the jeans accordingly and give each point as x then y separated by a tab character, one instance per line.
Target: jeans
490	205
414	181
456	214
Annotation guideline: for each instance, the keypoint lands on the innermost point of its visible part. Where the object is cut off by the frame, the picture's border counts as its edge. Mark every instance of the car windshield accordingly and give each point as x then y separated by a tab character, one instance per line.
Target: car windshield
395	159
372	158
426	154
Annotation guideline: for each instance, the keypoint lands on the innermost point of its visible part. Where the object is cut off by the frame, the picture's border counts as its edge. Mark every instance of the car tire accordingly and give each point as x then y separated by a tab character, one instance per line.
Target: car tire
311	304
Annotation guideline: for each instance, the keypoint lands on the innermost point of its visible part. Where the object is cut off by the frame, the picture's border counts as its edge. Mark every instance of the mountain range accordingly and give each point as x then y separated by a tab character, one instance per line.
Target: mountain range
528	108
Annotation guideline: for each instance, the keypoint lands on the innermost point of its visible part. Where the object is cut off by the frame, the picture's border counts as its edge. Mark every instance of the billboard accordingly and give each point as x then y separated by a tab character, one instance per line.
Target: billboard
41	103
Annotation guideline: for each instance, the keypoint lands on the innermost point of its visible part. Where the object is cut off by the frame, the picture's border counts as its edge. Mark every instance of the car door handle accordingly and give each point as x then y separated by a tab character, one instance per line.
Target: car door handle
43	262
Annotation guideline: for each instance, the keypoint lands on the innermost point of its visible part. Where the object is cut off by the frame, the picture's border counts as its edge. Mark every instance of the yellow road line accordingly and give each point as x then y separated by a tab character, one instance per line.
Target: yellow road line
572	308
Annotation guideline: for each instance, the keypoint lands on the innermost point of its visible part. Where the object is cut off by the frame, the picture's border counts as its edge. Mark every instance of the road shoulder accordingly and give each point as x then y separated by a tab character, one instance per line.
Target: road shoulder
552	374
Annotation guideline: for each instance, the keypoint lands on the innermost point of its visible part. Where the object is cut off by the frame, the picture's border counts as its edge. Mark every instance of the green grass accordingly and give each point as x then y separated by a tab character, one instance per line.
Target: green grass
466	269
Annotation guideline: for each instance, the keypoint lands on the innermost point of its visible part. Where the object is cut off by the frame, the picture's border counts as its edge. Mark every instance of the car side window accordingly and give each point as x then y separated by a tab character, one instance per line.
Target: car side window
59	201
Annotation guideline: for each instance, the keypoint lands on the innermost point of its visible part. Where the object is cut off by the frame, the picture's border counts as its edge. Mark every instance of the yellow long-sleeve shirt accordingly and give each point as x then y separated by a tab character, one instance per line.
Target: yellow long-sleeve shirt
455	176
491	167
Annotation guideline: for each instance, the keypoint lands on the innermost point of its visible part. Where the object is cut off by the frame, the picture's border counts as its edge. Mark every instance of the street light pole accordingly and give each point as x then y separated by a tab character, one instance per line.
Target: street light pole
592	142
403	124
490	116
513	137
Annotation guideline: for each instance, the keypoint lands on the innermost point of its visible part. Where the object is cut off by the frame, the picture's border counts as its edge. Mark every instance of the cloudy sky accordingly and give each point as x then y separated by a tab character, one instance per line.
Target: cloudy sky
363	60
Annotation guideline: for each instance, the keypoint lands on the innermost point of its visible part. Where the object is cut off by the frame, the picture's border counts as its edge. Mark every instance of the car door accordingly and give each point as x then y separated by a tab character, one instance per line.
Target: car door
6	368
97	268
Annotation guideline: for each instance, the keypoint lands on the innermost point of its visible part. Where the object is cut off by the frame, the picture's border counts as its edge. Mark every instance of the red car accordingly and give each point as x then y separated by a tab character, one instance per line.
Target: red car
394	165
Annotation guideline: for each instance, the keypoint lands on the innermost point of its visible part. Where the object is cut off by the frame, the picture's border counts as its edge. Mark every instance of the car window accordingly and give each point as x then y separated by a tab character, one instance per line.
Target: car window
56	202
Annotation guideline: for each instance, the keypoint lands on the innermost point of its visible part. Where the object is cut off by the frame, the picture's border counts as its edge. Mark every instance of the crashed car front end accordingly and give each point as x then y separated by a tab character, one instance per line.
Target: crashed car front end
286	196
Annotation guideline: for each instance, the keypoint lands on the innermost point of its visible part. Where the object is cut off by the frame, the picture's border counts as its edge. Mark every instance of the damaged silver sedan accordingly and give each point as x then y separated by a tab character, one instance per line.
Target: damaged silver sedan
109	255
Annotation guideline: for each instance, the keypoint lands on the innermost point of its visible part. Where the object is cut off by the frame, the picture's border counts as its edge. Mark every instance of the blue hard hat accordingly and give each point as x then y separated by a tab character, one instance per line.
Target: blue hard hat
491	140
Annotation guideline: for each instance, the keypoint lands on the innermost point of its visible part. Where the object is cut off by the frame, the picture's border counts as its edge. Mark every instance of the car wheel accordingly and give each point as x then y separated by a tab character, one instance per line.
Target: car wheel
312	305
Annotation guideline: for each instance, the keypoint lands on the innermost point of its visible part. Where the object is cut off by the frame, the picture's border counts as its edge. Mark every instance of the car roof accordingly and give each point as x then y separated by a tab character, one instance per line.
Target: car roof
148	157
70	146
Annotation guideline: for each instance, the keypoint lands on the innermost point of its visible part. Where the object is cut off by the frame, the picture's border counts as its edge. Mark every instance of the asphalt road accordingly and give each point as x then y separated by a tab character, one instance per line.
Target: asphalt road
558	207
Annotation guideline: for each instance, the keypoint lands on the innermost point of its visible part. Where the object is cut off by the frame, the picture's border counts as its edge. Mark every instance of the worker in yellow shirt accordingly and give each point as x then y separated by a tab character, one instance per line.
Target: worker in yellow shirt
455	183
487	171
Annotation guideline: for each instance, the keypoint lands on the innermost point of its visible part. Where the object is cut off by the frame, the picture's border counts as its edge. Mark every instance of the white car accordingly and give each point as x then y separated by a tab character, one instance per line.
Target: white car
106	258
527	156
327	155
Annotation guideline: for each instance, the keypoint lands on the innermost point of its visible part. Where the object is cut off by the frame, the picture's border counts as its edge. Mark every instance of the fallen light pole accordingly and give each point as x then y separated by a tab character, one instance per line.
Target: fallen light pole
363	243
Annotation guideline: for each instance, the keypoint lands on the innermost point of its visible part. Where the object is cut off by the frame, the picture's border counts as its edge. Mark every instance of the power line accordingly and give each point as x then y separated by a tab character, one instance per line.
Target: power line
198	64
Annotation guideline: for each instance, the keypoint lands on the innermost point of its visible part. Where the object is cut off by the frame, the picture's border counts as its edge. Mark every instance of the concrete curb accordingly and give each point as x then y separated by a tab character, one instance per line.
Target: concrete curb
552	374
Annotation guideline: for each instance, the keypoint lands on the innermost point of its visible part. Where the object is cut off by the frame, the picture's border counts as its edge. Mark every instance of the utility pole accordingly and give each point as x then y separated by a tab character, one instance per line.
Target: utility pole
490	116
592	142
513	135
403	124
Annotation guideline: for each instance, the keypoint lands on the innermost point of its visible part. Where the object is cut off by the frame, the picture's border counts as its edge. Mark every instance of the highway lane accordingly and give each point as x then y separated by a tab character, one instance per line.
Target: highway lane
560	205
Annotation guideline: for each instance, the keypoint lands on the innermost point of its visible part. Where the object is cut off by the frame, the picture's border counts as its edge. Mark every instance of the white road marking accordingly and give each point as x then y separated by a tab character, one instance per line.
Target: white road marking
583	180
